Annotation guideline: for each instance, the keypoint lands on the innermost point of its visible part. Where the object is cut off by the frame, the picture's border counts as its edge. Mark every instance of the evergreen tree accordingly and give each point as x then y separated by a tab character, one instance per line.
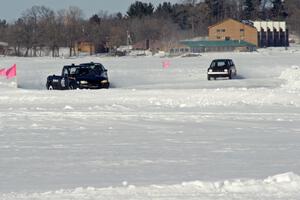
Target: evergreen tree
164	10
180	16
95	19
140	9
216	10
3	23
248	9
278	10
3	28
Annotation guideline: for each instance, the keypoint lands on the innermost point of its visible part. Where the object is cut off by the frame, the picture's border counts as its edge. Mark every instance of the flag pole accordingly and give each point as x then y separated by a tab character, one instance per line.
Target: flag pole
16	77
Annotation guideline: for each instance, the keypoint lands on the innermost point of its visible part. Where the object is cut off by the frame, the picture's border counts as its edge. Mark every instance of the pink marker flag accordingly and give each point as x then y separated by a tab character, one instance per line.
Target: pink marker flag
2	72
166	64
11	72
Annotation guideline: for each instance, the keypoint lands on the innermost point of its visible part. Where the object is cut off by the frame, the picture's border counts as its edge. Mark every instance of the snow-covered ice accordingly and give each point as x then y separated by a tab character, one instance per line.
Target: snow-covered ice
157	134
283	186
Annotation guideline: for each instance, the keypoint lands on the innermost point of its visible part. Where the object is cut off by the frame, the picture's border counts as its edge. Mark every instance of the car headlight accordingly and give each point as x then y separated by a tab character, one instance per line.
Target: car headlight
225	70
83	82
104	81
210	70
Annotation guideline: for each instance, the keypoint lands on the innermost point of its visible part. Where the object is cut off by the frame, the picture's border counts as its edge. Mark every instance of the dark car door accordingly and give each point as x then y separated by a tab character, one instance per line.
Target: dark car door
65	78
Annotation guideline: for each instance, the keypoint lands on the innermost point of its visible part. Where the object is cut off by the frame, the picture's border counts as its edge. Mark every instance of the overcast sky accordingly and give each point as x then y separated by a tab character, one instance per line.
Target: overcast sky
12	9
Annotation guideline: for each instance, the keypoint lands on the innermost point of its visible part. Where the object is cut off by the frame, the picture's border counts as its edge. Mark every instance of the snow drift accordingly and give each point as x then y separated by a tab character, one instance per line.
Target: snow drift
282	186
292	78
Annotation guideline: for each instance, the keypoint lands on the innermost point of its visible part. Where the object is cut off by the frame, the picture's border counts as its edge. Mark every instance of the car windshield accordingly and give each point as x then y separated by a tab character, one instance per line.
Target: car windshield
88	70
98	68
82	71
218	63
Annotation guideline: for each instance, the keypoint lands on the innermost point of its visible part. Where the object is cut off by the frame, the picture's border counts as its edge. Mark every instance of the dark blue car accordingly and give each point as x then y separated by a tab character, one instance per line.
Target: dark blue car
83	76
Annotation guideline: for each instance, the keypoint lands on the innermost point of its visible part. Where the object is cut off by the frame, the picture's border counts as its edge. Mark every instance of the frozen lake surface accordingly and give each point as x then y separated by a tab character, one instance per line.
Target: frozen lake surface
157	133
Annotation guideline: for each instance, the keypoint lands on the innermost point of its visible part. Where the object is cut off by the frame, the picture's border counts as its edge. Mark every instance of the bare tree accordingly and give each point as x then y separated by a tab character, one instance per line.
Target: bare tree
41	28
46	29
97	30
73	22
293	8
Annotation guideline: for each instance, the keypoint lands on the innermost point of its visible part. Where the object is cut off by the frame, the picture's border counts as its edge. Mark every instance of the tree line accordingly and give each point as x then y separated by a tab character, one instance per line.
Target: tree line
40	27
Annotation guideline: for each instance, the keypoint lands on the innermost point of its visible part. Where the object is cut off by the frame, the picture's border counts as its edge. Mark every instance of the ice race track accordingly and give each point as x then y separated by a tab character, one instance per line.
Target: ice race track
158	133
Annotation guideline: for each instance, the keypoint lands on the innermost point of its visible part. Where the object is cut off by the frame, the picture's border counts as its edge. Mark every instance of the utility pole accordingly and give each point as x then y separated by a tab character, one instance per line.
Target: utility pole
129	41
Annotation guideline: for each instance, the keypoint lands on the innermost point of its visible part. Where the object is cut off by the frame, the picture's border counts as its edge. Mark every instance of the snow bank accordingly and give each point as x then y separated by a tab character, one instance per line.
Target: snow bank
7	83
292	78
282	186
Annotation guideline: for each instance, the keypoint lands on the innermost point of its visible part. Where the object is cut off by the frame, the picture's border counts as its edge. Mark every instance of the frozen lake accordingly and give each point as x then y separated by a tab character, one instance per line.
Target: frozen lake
157	133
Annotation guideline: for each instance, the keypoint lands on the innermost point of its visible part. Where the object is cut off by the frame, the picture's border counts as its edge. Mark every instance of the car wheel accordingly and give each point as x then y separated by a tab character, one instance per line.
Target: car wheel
230	75
208	77
71	87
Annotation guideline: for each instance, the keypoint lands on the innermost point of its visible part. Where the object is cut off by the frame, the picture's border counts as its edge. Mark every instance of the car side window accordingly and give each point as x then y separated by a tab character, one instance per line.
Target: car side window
72	71
228	63
65	72
213	64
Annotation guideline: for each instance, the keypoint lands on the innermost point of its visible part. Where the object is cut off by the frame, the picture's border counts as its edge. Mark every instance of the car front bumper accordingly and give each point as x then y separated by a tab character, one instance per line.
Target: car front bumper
94	86
217	73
